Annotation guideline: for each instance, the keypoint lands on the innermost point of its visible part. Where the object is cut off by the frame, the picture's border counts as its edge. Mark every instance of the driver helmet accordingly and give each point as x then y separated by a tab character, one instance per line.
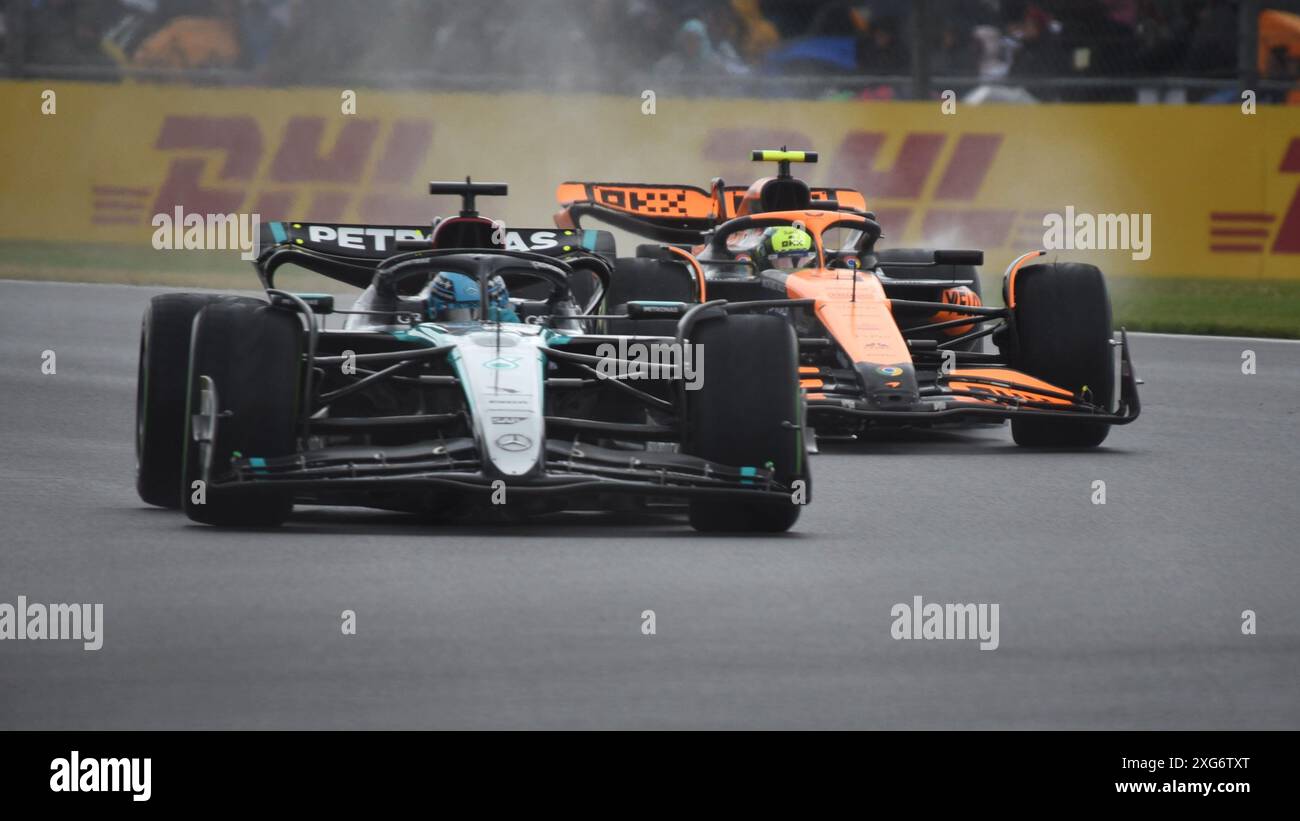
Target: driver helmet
785	248
454	297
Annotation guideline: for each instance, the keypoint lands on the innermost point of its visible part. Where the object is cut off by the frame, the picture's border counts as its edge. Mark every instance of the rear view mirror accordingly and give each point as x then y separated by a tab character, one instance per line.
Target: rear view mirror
958	257
645	309
319	303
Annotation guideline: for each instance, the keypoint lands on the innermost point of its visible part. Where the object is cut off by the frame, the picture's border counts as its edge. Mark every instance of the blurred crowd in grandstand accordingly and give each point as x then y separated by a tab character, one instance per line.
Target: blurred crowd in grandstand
997	49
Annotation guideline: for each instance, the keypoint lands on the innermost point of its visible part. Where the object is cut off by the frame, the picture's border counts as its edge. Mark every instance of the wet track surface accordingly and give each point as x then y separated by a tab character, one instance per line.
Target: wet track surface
1123	615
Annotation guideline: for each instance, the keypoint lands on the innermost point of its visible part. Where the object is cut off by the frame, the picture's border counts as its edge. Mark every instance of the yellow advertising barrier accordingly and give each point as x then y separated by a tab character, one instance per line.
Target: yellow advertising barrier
1215	192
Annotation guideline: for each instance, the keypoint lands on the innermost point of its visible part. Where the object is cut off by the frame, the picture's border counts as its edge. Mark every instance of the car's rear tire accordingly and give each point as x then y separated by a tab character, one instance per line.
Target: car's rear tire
637	278
252	353
1063	336
748	412
161	379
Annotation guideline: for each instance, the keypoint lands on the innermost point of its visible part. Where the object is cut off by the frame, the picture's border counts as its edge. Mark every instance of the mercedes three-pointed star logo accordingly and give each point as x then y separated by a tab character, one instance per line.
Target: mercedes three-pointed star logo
514	442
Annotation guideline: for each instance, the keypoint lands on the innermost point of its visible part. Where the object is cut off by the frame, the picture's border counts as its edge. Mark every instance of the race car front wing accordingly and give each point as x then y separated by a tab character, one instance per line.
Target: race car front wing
1003	395
455	464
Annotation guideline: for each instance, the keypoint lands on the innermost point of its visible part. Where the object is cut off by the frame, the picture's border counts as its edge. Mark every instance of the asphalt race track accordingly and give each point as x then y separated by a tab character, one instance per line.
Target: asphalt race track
1122	615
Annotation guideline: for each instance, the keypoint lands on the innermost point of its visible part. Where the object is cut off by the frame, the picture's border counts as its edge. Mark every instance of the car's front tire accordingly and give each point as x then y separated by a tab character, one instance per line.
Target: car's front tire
748	412
245	370
1063	336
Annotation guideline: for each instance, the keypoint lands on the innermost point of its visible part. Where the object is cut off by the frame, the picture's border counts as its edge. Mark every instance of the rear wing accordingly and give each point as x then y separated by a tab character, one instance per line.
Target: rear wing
350	253
671	213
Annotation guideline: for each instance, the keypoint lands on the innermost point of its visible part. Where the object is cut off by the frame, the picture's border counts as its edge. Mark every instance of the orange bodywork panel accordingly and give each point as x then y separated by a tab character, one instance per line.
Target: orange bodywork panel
957	296
863	325
846	197
1041	391
860	318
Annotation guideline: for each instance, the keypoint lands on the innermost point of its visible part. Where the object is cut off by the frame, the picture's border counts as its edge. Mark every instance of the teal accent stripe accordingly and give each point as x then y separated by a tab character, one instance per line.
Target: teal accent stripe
589	239
277	231
458	367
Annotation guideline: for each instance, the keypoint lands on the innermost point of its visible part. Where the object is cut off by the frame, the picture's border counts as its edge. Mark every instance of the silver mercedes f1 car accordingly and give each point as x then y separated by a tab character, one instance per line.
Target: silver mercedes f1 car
479	370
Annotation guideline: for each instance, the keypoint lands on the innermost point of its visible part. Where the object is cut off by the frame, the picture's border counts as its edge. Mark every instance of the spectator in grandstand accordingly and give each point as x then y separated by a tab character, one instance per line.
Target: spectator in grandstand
1162	28
263	25
693	53
456	41
645	35
999	35
1039	51
995	50
1278	54
128	26
1081	42
68	33
538	41
838	19
956	51
207	38
1122	12
828	44
726	34
1213	47
322	40
605	44
399	41
880	50
1101	41
759	35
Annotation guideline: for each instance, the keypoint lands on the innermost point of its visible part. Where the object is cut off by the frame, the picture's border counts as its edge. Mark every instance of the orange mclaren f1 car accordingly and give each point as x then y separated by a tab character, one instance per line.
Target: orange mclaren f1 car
885	337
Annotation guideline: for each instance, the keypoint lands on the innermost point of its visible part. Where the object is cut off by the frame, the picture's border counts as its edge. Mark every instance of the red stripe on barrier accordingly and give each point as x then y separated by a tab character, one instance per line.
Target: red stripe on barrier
1237	249
1229	216
1239	232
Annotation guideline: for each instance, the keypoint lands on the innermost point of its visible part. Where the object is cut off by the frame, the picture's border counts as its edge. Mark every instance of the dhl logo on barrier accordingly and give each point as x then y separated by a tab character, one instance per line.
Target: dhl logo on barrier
297	176
1222	189
897	189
